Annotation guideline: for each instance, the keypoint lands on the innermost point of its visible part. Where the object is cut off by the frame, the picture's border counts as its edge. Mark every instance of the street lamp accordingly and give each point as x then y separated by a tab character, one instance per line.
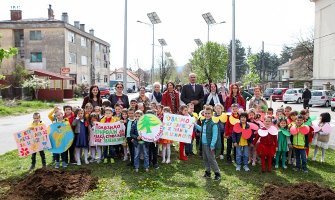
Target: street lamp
125	87
210	21
233	49
168	54
198	42
162	42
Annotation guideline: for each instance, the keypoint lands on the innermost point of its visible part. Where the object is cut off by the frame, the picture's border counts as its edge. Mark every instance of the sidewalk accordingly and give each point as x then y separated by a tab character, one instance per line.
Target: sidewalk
9	125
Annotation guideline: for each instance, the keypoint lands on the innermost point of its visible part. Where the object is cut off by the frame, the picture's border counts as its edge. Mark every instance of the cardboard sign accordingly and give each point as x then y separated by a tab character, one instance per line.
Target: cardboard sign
178	128
149	127
61	136
109	133
32	140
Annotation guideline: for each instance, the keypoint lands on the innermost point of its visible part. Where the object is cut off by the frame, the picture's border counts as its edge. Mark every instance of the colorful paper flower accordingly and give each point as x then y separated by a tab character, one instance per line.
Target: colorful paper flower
24	152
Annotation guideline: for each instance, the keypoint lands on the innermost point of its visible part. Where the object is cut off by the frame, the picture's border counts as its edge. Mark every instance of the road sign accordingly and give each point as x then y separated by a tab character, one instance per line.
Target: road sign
65	70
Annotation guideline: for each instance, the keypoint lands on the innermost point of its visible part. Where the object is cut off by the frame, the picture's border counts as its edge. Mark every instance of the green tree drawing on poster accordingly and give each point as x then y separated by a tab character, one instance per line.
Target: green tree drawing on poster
147	121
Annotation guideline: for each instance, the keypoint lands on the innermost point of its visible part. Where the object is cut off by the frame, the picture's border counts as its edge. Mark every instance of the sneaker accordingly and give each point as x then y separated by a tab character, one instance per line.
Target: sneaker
136	170
253	163
296	169
284	166
321	160
276	166
57	165
64	165
314	158
289	162
92	160
147	169
305	171
156	166
78	162
238	168
246	168
163	161
98	161
86	162
221	157
217	177
32	167
168	161
207	174
112	160
125	158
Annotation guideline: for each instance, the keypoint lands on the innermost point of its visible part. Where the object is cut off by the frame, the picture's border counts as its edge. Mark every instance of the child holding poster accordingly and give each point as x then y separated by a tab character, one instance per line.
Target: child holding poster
59	117
210	140
166	144
69	115
37	122
140	146
124	117
81	139
94	117
232	120
108	118
128	124
183	110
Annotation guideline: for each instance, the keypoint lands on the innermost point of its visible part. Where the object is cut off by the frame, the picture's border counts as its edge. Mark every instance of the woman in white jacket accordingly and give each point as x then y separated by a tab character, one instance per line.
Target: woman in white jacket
156	95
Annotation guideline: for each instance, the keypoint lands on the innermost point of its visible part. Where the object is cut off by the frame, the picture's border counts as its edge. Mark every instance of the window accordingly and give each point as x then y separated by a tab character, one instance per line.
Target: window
97	47
106	65
83	42
105	78
36	57
74	76
83	60
35	35
71	37
97	62
118	76
72	58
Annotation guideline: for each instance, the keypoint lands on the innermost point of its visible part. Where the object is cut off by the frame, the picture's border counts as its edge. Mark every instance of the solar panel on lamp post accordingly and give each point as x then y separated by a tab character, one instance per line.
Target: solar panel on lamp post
198	42
209	20
154	19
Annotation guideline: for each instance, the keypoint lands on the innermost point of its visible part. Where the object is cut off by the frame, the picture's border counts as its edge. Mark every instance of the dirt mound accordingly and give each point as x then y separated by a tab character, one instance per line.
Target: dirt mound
298	191
53	184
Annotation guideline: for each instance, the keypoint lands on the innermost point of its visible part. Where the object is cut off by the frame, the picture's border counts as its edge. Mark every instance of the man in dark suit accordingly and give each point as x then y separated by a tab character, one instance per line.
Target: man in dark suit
193	93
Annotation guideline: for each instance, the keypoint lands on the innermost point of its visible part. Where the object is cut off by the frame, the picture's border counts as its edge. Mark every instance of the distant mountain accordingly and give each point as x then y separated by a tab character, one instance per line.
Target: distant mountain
179	69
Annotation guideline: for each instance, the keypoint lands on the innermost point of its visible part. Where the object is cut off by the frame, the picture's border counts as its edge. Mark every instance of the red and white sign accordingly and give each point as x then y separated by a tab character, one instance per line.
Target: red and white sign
65	70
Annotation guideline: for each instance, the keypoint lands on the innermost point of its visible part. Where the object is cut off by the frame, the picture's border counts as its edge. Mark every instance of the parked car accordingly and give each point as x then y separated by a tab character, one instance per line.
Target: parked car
293	95
148	88
321	98
267	93
332	103
104	92
251	91
130	90
278	94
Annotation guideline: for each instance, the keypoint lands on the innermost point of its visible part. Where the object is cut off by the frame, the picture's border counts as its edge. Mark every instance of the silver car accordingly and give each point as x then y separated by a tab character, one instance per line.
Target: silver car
321	98
332	104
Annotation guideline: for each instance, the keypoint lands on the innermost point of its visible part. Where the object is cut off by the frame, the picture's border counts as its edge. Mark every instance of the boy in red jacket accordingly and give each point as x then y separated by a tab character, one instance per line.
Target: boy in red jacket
69	115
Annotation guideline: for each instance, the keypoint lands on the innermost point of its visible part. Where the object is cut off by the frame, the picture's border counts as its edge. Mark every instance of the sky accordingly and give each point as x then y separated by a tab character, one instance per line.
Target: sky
276	22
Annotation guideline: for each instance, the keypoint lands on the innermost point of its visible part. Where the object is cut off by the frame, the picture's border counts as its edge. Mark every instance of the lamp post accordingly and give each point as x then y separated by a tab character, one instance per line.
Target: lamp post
125	50
162	42
233	49
210	21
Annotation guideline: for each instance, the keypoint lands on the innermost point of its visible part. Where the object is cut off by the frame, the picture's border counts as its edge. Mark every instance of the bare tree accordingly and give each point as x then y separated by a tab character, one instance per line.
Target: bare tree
166	67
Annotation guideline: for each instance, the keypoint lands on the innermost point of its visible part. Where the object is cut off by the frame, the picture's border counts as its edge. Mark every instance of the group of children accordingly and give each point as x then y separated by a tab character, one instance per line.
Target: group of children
284	136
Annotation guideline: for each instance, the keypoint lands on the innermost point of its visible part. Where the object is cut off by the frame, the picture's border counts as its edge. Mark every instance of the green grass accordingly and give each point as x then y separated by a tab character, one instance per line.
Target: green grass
179	180
23	107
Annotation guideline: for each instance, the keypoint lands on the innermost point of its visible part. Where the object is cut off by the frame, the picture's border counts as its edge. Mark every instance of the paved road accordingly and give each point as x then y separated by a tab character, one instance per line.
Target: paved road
10	125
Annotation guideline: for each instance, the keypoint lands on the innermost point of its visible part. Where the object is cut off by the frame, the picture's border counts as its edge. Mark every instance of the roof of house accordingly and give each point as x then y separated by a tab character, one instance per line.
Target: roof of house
290	64
51	75
129	73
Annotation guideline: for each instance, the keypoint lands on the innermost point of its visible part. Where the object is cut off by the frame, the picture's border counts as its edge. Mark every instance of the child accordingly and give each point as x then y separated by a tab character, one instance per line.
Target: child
220	118
128	124
97	110
322	135
124	117
232	120
133	104
308	122
252	148
117	111
300	143
81	141
210	139
52	113
270	112
160	111
284	142
266	148
37	122
153	148
242	137
69	115
140	106
291	121
189	147
166	144
140	146
94	117
287	111
182	111
118	115
105	104
88	111
108	150
279	114
59	117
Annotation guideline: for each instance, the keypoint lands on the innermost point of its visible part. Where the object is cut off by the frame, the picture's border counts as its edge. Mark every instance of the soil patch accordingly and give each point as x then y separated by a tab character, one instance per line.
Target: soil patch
297	191
53	184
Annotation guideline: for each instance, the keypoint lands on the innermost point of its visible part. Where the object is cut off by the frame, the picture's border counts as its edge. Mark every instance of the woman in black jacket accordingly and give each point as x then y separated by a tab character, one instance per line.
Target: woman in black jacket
213	97
119	97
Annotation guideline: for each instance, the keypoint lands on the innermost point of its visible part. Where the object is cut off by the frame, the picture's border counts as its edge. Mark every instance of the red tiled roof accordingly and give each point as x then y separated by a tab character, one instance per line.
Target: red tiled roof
51	75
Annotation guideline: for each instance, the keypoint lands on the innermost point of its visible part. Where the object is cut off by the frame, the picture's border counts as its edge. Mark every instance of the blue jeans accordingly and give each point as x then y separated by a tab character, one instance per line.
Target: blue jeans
109	151
138	149
242	152
301	159
189	148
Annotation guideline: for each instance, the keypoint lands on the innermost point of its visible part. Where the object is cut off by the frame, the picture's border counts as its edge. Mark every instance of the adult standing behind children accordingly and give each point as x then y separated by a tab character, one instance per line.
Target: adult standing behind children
193	93
93	97
306	96
234	97
258	102
213	97
156	95
119	97
142	98
171	98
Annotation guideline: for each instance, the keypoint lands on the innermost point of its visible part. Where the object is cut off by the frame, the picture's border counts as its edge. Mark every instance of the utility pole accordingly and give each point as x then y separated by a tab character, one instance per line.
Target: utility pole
125	87
233	53
263	66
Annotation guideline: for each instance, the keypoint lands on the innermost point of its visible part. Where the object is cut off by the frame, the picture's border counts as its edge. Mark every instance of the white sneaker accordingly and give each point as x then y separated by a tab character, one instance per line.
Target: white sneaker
125	158
221	157
86	162
321	160
163	161
168	161
314	158
253	163
78	163
147	169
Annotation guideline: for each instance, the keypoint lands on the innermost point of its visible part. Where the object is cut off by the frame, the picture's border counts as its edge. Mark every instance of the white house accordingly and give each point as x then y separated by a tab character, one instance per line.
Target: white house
117	76
292	71
324	43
